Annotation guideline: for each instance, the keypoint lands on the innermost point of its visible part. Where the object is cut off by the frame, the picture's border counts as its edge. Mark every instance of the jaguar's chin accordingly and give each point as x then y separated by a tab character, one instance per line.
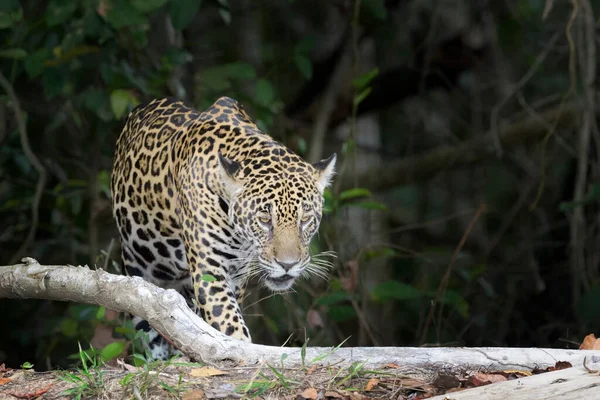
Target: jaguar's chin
280	283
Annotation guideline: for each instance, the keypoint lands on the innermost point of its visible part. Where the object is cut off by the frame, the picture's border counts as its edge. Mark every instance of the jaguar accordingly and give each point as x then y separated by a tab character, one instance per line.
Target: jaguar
206	201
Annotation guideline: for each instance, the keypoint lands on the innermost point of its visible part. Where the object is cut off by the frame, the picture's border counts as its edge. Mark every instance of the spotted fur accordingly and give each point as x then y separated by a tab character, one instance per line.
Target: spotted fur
199	194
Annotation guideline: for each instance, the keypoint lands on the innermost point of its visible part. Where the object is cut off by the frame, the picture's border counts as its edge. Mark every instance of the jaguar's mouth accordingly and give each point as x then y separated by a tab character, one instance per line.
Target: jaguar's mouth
280	283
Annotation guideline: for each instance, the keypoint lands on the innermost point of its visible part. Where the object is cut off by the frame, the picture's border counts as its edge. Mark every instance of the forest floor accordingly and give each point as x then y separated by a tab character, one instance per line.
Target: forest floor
191	381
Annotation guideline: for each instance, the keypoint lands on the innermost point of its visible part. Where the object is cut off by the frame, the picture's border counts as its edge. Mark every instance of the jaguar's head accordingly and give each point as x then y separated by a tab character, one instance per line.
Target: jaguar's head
276	203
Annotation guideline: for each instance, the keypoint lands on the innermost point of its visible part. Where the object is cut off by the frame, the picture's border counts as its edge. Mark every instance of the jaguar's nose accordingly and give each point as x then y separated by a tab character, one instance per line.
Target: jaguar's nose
287	264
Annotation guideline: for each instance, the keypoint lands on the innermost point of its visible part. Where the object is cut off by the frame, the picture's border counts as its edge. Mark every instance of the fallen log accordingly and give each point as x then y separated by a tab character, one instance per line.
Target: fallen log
573	383
168	313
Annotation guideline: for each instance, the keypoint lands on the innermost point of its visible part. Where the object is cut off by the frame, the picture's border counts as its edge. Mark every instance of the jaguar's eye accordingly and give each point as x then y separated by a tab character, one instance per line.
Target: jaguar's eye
264	219
305	219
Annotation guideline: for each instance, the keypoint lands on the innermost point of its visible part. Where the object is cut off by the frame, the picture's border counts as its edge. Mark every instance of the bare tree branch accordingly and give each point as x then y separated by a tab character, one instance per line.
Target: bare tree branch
426	166
168	313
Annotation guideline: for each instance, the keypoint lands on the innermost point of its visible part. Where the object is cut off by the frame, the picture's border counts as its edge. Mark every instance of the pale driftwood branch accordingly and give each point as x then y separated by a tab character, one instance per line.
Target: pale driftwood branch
567	384
426	166
168	313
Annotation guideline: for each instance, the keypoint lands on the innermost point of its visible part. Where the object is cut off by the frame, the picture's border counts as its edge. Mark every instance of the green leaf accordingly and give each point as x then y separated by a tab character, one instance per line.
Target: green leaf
133	77
303	352
168	388
126	379
104	182
146	6
123	13
27	365
68	327
241	70
96	100
112	350
59	11
15	53
361	96
140	335
34	62
394	290
365	79
182	12
125	331
304	65
354	193
120	101
349	146
265	95
302	145
208	278
592	196
101	312
329	299
455	299
94	25
140	358
8	17
341	313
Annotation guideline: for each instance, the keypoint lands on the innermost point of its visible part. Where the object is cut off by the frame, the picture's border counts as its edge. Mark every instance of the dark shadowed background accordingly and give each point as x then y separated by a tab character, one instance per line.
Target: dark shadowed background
465	212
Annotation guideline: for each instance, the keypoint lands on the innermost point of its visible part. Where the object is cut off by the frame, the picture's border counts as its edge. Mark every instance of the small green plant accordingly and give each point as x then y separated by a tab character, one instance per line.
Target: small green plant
175	391
149	373
353	370
283	380
303	353
27	365
257	388
88	379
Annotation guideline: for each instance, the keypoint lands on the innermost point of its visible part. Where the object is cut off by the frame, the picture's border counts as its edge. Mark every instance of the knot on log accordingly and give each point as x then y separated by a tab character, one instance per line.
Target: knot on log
170	297
29	260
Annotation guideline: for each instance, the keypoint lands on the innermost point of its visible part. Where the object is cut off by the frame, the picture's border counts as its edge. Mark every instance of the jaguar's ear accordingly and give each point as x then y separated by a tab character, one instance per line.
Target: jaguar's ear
227	169
324	171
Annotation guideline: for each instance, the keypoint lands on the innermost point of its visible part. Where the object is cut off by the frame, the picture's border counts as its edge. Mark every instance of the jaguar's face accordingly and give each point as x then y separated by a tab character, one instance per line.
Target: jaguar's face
282	228
279	210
